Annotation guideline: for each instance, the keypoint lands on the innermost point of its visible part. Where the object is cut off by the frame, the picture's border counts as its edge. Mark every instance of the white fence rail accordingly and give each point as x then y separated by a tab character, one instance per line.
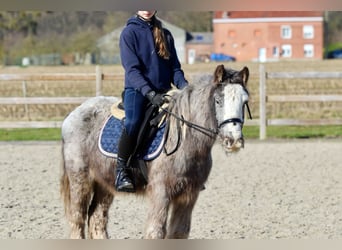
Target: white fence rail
264	98
98	77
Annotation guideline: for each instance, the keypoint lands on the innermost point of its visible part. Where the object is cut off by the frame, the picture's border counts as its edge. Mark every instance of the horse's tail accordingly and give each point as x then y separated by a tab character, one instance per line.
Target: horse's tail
64	184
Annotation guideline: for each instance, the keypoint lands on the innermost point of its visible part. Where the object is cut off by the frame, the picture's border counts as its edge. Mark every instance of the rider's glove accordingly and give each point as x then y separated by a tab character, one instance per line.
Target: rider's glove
155	98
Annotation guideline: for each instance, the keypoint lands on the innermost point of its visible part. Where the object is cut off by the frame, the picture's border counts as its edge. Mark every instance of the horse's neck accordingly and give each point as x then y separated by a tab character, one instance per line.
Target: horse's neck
201	106
196	107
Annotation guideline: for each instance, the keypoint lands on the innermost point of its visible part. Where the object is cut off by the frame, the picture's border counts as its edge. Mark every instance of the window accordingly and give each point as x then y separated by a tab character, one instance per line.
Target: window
308	31
286	50
286	32
308	50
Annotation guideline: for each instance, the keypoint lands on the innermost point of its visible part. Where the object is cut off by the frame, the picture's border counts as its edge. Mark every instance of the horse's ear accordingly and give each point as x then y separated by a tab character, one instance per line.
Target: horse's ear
244	73
219	74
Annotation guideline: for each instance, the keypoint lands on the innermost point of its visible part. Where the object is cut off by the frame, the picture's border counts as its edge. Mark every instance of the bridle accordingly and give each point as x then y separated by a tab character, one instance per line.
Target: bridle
209	131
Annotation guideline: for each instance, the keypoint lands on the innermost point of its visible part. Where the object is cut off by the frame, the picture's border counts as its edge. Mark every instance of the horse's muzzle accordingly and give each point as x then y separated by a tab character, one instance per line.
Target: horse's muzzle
233	145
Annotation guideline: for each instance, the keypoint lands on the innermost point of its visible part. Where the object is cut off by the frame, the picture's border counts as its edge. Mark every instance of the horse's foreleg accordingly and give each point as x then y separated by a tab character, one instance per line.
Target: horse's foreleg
157	213
98	213
180	218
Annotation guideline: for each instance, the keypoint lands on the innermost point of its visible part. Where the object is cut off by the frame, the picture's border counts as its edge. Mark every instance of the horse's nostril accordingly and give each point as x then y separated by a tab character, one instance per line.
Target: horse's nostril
228	141
240	143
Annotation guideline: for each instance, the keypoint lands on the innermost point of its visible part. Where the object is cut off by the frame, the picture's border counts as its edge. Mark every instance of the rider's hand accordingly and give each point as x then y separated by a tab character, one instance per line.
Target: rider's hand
155	98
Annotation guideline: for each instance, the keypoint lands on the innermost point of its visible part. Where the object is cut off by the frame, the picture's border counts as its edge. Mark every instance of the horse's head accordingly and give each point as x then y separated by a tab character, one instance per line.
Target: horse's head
231	96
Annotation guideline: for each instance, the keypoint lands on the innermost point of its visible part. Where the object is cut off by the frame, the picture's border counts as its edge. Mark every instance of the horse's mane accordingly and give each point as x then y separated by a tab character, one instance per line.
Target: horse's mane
195	104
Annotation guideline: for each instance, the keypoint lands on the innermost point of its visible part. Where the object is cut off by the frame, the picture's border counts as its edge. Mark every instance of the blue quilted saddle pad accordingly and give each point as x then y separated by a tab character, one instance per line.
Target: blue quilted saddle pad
110	136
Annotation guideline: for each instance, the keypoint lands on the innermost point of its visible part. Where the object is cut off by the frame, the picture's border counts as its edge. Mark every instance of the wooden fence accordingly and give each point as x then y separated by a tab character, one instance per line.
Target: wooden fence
98	77
264	98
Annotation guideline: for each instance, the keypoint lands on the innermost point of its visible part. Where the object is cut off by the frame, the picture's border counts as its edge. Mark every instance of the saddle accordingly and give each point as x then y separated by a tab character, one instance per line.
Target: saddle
150	140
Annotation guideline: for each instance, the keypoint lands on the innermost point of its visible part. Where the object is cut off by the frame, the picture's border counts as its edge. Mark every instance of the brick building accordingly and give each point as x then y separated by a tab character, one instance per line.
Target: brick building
268	35
199	46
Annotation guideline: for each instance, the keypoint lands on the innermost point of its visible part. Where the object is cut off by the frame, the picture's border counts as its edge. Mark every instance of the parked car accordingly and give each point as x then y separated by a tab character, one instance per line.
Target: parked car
337	53
220	57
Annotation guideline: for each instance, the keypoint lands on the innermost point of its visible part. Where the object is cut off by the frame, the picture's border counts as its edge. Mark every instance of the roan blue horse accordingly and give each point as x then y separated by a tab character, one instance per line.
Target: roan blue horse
210	108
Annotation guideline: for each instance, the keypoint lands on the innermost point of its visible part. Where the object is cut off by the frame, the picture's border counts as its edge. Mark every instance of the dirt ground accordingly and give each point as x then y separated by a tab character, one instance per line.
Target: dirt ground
287	189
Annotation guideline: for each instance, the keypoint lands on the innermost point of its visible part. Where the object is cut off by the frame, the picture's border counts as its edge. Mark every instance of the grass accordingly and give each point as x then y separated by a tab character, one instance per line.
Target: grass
30	134
306	131
250	132
296	132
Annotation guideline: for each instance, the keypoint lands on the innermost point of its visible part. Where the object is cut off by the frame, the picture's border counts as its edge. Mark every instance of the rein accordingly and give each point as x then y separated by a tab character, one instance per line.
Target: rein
204	130
200	128
207	131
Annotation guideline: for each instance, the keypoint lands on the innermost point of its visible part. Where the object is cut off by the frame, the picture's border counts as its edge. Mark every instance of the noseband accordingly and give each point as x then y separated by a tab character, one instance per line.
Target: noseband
237	120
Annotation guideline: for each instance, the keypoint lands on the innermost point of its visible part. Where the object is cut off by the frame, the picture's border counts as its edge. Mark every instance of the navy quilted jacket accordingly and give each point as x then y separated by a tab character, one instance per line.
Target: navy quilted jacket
144	69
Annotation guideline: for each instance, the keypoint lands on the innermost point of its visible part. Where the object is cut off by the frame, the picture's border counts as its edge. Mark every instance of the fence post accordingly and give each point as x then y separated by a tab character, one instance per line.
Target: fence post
23	84
262	94
98	80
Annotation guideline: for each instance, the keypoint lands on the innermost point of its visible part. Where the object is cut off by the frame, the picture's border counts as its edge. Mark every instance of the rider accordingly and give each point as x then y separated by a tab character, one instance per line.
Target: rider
151	64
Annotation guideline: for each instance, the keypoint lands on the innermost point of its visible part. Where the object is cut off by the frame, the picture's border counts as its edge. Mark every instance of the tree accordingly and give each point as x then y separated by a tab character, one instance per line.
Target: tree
333	29
198	21
19	21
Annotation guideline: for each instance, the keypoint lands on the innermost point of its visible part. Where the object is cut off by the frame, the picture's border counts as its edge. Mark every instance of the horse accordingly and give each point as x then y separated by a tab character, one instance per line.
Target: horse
210	108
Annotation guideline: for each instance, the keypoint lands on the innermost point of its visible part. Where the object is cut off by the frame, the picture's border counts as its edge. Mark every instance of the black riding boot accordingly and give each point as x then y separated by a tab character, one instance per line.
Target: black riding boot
124	179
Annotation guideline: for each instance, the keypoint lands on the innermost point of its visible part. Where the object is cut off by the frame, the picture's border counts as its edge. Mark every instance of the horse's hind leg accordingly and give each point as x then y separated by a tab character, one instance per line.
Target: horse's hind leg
98	213
76	189
80	194
180	219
